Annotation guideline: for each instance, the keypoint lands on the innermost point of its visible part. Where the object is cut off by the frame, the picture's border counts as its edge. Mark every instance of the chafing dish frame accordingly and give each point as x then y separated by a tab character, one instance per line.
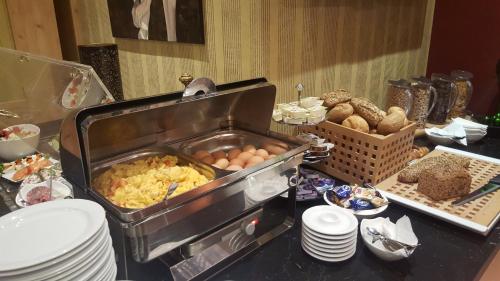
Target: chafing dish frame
232	107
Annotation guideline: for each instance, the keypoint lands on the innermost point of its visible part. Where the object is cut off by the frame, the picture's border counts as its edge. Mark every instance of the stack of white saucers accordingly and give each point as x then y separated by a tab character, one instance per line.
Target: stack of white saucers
57	240
329	233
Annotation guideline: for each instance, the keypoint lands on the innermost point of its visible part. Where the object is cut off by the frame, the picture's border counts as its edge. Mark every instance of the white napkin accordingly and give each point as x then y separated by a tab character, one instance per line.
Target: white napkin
467	124
454	131
401	231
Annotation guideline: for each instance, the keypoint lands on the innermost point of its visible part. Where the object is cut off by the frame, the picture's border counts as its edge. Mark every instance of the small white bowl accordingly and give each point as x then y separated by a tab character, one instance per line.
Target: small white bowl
14	149
474	137
361	213
377	248
439	140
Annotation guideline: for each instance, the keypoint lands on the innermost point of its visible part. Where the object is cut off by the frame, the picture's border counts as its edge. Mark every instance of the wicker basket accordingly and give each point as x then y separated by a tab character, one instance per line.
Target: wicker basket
358	157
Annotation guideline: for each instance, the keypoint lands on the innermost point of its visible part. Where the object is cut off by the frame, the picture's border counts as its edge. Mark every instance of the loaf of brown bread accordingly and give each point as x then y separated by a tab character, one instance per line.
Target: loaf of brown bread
411	173
444	182
337	96
370	112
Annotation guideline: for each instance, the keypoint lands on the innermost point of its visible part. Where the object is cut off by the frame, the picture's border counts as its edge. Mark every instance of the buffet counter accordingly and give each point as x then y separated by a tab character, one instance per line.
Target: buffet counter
447	251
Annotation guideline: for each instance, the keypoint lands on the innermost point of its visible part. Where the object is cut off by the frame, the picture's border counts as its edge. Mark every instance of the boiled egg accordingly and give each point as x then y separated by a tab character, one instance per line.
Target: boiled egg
262	153
219	154
255	160
244	156
237	161
221	163
200	154
233	153
234	168
208	160
249	148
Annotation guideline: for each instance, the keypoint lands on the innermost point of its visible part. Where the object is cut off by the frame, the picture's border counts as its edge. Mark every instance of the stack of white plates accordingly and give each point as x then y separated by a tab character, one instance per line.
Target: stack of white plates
329	233
56	240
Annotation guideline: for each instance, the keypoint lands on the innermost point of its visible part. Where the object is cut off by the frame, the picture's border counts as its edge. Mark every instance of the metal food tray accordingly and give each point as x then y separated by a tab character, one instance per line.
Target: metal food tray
479	215
229	139
136	214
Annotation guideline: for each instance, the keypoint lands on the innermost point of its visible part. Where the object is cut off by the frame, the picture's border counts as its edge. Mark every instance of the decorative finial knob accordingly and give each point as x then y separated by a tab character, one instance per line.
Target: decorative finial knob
186	78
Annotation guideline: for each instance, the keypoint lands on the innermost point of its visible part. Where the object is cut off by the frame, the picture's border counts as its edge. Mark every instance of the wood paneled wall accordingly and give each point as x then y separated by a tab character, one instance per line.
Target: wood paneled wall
325	44
6	39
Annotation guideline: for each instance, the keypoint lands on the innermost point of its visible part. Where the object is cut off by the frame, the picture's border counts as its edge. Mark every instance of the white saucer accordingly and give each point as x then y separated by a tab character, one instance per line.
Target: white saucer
327	259
329	220
320	244
332	238
329	253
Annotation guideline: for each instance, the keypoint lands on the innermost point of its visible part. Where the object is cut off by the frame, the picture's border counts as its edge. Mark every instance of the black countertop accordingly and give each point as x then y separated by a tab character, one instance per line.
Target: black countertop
447	252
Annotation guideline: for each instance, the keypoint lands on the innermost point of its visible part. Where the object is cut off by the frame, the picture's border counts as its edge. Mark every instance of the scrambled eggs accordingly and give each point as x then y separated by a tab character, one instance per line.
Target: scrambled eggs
145	182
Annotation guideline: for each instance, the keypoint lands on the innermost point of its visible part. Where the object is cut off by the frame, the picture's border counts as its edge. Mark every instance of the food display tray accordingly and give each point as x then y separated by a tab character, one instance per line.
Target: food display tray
479	215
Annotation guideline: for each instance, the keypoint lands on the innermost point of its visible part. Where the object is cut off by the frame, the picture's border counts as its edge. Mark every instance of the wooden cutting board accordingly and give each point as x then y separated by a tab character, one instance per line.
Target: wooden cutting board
479	215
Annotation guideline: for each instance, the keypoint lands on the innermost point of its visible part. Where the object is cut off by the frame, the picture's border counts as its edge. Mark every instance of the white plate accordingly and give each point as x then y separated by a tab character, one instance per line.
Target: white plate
329	253
327	245
329	220
92	268
59	190
8	175
361	213
58	260
68	265
101	275
327	259
20	202
46	231
333	238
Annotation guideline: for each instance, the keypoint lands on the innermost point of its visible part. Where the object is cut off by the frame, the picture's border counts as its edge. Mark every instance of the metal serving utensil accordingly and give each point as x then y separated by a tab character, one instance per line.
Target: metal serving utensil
171	188
390	244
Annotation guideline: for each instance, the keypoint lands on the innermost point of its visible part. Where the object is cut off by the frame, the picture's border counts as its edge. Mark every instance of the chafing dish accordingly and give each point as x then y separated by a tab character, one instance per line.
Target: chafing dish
205	229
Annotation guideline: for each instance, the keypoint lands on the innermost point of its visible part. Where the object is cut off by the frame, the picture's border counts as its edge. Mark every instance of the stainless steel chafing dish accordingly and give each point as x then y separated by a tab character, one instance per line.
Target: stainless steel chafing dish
201	231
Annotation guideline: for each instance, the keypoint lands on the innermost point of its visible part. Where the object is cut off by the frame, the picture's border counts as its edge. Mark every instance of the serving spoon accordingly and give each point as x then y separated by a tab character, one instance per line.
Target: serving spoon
171	188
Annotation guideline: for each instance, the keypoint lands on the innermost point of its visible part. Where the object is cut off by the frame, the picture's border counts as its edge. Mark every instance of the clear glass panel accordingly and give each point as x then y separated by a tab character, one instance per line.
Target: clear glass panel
42	92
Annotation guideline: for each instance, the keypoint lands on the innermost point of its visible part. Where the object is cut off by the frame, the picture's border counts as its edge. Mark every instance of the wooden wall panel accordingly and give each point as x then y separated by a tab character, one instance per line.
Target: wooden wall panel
325	44
34	27
6	39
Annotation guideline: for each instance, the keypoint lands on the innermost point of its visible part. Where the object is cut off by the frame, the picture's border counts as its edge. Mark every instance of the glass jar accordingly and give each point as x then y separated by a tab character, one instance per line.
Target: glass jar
446	94
424	100
399	94
464	91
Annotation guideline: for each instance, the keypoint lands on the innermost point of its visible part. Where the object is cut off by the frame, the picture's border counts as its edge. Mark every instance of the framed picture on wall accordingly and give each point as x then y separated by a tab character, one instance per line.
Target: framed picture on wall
163	20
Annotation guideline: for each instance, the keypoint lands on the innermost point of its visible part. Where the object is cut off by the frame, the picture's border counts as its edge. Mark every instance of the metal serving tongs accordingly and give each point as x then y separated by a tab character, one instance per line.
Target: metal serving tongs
390	244
10	114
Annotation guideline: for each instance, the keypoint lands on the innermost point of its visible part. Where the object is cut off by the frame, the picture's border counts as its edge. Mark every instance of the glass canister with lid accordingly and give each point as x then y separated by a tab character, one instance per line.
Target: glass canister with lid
399	94
424	100
462	80
446	94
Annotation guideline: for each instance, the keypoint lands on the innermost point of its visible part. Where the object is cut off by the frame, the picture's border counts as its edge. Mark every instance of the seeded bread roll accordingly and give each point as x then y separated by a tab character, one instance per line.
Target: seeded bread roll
337	96
444	182
357	123
370	112
340	112
411	173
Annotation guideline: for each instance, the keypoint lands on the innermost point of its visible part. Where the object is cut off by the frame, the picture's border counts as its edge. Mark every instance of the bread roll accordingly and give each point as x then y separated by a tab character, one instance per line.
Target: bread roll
337	96
391	123
357	123
340	112
370	112
393	109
